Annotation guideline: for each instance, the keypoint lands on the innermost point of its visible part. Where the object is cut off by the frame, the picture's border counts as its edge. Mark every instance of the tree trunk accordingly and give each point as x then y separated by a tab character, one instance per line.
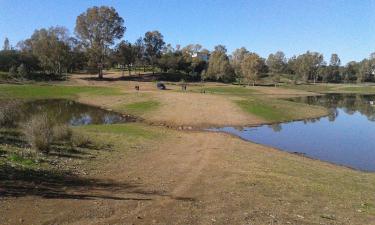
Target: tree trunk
130	73
100	73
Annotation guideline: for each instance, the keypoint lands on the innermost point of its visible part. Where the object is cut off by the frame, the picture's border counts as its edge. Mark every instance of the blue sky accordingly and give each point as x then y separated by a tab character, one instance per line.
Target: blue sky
345	27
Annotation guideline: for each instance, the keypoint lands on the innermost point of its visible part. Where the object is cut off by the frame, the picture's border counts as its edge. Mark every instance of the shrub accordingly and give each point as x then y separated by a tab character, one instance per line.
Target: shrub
62	133
38	132
22	71
9	113
81	140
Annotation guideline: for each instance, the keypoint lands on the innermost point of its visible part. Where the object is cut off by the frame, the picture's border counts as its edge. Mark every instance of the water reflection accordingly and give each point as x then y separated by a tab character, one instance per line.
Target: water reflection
345	136
71	112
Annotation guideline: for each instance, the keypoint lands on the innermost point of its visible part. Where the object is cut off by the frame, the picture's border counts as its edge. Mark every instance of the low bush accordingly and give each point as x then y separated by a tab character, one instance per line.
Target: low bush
38	132
81	140
62	133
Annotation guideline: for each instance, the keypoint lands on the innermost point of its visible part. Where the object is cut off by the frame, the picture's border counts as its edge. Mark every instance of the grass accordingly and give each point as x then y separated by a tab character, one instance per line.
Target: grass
52	91
139	108
21	160
129	129
277	110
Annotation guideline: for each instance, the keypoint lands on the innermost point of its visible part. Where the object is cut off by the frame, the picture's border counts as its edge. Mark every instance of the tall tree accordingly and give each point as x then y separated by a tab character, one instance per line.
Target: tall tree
51	48
251	67
6	46
307	64
219	67
139	48
98	28
237	57
154	44
125	54
276	64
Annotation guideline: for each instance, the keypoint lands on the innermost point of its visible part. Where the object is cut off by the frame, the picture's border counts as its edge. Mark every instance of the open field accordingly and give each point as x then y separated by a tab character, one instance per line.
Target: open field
141	174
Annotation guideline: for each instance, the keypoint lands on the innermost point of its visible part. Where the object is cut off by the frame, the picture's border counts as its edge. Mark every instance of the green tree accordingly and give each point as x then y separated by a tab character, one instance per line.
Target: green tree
98	28
51	48
237	57
125	54
307	64
251	67
154	44
276	64
219	67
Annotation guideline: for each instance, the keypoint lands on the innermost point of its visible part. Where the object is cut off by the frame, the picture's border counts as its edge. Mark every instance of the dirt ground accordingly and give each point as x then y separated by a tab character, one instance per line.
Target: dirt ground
198	177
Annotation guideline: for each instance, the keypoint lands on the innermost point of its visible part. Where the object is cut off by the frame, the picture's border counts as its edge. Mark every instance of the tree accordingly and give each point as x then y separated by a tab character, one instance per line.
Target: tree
6	46
139	48
251	67
22	71
98	28
125	54
366	70
307	64
219	67
51	48
154	44
350	71
237	57
335	60
276	64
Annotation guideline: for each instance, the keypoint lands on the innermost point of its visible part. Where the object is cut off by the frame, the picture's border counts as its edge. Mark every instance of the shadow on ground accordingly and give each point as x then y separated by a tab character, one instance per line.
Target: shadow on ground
19	182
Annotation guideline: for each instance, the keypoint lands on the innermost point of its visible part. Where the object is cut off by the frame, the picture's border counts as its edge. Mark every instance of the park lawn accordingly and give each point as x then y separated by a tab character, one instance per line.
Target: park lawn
53	91
138	108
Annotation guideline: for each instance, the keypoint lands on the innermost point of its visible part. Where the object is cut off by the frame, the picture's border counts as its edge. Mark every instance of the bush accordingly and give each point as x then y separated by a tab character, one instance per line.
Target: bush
81	140
9	113
62	133
22	71
38	132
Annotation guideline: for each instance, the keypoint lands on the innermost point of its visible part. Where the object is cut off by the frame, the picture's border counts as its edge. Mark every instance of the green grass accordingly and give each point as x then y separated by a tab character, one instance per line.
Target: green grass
21	160
267	111
130	130
52	91
138	108
278	110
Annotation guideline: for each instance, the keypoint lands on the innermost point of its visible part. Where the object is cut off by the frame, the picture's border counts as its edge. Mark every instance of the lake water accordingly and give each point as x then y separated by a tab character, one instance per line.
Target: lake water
345	137
70	112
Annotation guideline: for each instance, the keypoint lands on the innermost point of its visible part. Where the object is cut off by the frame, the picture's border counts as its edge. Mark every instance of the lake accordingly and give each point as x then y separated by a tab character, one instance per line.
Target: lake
345	137
69	112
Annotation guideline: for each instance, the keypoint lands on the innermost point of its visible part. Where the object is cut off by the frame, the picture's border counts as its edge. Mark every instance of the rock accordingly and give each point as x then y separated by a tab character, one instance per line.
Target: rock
301	217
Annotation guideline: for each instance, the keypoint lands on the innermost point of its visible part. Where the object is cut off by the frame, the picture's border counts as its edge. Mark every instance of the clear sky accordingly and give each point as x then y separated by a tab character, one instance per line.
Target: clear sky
345	27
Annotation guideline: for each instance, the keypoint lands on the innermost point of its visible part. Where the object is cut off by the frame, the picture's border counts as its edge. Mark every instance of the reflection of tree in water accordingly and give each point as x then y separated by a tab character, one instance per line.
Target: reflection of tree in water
276	127
66	111
349	103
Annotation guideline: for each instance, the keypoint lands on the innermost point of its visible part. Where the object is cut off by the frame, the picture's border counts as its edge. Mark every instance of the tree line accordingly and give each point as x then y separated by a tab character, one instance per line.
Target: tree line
98	44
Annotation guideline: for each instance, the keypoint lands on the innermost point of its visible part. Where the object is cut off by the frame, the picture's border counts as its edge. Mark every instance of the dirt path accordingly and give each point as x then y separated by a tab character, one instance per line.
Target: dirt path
198	178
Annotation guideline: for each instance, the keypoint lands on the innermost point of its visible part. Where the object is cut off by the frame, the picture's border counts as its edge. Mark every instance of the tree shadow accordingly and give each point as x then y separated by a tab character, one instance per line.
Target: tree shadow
19	182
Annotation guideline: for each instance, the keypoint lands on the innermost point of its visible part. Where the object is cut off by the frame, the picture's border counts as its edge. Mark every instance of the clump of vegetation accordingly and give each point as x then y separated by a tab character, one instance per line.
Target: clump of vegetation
38	132
81	140
9	112
62	133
